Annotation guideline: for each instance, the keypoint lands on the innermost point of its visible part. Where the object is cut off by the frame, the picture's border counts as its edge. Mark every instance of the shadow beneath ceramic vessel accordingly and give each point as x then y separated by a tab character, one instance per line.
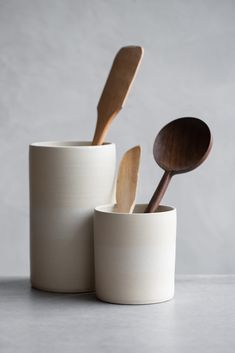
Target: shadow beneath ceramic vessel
16	288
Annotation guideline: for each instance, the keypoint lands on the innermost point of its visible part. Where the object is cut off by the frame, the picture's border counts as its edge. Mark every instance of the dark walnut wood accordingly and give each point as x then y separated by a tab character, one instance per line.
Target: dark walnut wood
181	146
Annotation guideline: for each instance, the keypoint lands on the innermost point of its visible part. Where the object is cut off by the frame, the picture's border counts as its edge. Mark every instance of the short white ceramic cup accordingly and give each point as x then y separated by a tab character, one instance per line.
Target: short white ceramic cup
67	180
134	255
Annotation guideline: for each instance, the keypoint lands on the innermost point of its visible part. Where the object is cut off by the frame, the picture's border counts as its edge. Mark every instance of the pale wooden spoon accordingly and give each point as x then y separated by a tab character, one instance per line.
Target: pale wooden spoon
127	180
116	89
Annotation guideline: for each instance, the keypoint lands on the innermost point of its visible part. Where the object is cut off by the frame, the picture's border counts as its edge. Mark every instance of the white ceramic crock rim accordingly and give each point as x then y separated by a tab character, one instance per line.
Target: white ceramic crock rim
100	209
77	144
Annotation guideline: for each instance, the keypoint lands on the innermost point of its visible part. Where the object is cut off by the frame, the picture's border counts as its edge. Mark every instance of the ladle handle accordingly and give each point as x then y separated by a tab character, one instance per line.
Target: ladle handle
160	191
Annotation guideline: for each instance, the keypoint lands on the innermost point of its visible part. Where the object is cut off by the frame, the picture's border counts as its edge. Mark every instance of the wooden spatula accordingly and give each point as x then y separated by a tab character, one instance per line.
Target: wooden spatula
127	180
116	89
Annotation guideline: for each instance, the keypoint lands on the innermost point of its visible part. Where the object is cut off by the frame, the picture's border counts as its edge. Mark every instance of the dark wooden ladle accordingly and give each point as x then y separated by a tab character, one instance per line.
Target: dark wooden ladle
180	146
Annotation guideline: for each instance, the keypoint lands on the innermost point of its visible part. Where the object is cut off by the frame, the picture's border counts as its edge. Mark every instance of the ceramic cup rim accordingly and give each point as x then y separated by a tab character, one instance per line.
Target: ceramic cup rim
108	209
70	144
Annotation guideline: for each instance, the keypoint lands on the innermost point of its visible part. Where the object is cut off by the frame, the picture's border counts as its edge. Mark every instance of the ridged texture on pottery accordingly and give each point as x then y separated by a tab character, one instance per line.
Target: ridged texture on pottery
66	183
135	255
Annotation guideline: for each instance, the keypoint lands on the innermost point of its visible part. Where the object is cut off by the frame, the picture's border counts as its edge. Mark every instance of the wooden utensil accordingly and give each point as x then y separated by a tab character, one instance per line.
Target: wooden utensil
116	89
181	146
127	180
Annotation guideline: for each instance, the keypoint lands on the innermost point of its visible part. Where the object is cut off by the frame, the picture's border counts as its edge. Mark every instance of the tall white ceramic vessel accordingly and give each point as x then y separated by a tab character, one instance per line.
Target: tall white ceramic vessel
135	255
67	180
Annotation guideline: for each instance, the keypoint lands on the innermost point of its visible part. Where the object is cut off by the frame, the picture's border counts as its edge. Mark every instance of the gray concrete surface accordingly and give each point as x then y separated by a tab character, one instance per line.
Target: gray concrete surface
54	59
201	318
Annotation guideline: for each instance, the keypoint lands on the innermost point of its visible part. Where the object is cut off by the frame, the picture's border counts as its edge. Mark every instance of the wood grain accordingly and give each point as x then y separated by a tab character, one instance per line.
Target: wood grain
127	180
181	146
116	89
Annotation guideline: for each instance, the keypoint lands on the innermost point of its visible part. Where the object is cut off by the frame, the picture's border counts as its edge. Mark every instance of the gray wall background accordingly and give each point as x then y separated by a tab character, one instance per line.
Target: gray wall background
54	60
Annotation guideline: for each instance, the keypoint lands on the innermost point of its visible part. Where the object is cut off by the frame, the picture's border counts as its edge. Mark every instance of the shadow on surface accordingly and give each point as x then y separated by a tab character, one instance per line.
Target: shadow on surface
18	287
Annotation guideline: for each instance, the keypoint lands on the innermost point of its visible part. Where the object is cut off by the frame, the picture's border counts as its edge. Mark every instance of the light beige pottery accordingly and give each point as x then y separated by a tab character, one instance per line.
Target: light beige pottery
134	255
67	180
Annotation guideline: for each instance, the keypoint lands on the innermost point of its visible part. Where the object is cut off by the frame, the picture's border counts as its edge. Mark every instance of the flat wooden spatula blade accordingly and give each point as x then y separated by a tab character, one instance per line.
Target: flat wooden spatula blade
116	89
127	181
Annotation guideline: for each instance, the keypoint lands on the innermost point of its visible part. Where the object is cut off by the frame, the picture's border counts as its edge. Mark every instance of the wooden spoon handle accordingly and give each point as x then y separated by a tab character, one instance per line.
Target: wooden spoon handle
158	195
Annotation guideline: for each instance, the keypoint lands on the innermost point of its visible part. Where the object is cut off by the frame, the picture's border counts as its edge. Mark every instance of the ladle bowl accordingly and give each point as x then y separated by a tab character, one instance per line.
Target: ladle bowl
180	146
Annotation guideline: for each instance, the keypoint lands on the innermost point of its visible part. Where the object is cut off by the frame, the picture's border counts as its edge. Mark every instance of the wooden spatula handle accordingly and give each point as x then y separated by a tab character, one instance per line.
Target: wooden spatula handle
102	130
160	191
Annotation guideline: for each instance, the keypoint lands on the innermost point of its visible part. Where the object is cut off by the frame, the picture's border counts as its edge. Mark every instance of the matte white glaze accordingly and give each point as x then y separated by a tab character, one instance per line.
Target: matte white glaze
134	255
67	180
